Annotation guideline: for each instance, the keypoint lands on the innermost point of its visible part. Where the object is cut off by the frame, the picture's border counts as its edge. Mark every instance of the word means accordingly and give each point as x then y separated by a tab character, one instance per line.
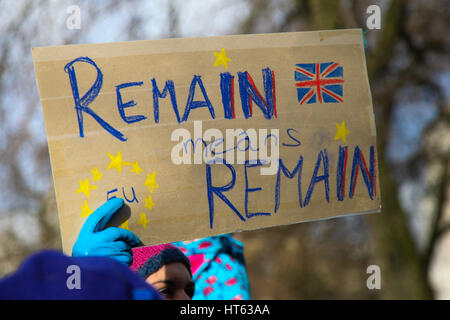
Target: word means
214	151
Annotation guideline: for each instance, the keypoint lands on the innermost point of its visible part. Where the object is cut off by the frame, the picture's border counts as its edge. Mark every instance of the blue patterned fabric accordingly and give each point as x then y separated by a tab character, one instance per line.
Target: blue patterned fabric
218	268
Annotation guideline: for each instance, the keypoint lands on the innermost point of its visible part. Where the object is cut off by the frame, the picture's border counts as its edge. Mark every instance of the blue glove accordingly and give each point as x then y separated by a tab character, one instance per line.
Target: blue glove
94	240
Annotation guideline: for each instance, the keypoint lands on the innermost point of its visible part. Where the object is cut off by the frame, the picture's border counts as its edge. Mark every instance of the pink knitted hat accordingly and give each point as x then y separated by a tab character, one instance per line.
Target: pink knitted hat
148	260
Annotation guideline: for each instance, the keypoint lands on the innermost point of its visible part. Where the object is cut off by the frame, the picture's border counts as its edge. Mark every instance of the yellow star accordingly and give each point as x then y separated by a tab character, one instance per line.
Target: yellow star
96	174
85	210
125	225
221	58
85	187
116	161
341	132
135	168
143	220
150	182
149	203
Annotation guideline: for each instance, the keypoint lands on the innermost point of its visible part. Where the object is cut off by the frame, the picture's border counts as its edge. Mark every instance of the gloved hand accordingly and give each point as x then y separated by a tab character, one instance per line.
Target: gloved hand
94	240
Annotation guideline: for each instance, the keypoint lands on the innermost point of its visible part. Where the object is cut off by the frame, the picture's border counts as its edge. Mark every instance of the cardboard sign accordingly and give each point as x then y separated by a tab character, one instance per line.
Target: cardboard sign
207	136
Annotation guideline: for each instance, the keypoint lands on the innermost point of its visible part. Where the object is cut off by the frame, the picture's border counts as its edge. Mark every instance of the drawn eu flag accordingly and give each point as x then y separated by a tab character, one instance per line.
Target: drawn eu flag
319	82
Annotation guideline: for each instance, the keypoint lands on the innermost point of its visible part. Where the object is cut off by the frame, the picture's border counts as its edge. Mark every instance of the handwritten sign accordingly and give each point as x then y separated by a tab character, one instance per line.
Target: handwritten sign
207	136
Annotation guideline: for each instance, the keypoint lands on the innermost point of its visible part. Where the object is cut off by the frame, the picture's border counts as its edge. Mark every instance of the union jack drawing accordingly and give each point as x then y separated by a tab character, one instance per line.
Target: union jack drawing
319	82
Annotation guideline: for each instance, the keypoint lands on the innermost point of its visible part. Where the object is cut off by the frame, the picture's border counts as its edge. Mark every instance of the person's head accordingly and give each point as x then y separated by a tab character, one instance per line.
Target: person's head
167	269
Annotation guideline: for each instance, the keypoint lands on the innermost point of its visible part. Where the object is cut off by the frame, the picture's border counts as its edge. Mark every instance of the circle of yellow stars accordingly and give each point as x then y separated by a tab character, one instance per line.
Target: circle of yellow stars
117	163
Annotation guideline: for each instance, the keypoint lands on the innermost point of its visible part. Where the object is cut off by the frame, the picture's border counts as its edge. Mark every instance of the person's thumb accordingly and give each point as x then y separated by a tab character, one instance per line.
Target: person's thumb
100	217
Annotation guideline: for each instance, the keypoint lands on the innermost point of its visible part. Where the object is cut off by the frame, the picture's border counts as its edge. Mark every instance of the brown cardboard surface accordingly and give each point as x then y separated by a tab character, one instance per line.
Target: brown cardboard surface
169	202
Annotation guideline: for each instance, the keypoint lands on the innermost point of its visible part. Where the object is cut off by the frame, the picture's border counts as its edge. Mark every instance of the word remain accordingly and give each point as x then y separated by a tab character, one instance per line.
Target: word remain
320	175
248	92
